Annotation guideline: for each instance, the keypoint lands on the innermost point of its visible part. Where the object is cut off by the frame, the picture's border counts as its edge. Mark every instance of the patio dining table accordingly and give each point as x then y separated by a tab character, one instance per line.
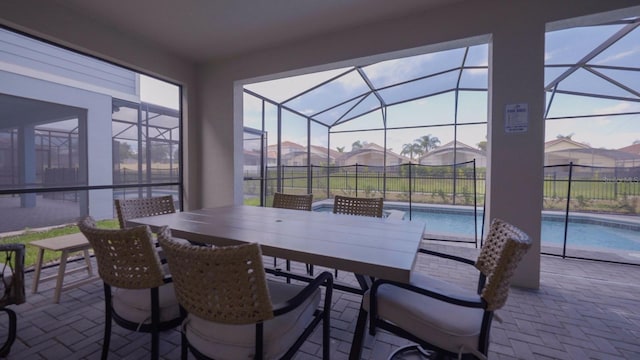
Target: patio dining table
375	247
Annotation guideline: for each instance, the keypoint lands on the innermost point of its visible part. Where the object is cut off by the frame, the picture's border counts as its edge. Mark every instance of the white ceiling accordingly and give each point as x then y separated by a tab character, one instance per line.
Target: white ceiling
203	30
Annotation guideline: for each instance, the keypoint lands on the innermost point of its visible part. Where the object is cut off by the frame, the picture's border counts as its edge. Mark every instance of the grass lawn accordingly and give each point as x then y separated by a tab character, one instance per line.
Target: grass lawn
32	252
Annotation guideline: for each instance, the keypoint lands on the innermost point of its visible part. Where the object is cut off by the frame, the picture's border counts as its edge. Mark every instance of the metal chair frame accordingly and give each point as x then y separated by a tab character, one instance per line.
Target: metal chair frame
13	293
504	248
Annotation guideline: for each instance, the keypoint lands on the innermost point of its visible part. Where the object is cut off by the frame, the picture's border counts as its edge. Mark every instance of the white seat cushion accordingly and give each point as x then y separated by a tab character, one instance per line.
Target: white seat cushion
442	324
233	342
135	304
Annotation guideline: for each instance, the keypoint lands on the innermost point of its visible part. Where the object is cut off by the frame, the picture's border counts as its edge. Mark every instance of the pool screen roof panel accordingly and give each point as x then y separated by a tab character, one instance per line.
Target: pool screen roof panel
592	62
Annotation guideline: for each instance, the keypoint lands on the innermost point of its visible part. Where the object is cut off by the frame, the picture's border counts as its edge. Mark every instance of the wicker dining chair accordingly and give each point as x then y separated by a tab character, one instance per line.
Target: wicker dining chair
442	317
348	205
137	294
11	288
357	206
293	202
142	207
233	312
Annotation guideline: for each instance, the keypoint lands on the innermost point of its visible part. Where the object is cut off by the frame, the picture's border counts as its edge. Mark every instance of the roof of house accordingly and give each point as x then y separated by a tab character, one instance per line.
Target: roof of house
612	154
632	149
565	140
448	147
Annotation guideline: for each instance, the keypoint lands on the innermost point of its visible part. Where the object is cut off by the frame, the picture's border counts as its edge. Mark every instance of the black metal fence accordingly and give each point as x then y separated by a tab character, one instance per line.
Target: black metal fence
447	184
569	189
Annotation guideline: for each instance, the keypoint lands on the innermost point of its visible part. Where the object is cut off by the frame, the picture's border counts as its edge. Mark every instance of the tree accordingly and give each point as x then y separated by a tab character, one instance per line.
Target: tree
125	152
482	145
428	142
411	149
357	145
340	149
568	137
159	153
636	142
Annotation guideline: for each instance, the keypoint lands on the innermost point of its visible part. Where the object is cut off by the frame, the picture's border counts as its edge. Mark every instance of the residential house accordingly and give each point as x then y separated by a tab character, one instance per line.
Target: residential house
454	153
371	154
564	151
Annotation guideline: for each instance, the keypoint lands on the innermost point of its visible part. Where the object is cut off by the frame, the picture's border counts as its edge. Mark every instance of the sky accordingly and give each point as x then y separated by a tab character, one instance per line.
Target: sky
563	47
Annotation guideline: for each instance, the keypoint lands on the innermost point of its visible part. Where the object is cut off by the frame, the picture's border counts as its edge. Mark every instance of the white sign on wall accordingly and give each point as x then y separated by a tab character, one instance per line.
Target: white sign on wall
516	118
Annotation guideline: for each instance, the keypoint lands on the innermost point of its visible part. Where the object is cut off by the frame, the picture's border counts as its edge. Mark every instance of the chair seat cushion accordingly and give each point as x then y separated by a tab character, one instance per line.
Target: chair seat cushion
233	342
135	304
439	323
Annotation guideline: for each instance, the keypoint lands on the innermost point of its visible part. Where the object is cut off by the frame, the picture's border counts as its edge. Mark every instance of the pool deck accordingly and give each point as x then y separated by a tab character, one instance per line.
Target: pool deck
582	310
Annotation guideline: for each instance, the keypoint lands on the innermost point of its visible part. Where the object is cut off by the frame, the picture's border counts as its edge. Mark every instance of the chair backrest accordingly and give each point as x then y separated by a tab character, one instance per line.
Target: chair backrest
220	284
126	258
290	201
502	251
357	206
143	207
12	280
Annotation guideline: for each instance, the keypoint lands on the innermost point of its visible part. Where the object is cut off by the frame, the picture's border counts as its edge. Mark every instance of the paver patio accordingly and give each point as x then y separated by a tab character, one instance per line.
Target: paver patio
583	310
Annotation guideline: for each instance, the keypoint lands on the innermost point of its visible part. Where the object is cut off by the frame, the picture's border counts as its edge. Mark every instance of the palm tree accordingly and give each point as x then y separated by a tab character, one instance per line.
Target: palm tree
340	148
428	142
411	149
568	137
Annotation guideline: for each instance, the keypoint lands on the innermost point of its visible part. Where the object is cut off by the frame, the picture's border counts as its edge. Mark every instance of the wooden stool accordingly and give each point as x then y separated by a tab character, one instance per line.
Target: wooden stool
67	244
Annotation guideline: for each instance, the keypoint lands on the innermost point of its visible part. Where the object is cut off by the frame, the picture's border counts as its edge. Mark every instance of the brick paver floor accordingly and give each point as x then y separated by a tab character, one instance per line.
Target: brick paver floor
583	310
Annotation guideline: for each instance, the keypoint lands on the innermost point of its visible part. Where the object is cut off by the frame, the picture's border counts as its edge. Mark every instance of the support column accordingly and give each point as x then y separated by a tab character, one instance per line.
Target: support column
27	169
516	154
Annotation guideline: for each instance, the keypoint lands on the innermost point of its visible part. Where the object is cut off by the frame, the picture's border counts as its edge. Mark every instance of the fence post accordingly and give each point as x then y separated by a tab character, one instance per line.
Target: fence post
475	203
356	179
566	214
410	191
615	183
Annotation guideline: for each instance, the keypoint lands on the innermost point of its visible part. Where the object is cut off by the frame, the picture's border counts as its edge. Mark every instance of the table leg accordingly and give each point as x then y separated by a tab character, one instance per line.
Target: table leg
61	271
87	260
36	276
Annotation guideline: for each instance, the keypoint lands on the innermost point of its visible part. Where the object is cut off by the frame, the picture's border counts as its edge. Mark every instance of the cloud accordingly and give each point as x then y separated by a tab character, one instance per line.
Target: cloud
618	56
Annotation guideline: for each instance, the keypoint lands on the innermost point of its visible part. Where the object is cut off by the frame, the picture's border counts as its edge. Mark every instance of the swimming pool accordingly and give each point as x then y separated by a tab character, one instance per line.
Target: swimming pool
584	232
580	233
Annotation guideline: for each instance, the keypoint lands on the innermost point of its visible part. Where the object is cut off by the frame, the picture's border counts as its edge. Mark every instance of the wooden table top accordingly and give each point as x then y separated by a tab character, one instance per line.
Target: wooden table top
382	248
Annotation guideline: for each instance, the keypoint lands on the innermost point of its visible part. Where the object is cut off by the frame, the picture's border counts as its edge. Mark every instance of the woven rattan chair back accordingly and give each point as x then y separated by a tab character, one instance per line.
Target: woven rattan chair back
290	201
220	284
502	251
357	206
126	258
143	207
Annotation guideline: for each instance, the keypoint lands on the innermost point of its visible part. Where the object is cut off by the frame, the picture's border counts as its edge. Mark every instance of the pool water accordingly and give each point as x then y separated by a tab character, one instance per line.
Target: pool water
582	235
579	234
